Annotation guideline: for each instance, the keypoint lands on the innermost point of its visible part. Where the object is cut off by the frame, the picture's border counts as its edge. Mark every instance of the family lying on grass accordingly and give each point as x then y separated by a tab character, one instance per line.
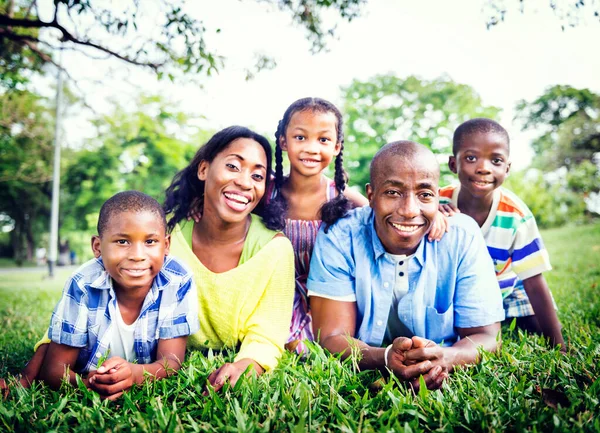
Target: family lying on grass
397	281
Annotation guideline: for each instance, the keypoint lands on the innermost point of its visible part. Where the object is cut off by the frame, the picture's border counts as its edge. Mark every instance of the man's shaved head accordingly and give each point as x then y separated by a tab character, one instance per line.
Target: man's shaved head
407	150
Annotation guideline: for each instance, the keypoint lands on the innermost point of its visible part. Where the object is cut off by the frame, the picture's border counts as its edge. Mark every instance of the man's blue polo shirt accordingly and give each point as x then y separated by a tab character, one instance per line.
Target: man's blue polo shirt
452	283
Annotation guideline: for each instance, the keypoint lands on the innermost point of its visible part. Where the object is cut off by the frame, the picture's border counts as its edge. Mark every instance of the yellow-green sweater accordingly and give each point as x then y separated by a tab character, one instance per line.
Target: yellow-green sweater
250	305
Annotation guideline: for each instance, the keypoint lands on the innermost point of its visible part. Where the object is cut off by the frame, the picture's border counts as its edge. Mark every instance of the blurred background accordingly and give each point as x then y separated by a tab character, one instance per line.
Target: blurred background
144	83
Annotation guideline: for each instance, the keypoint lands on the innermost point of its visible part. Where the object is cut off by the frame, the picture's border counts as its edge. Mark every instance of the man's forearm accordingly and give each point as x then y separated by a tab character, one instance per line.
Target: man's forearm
466	350
370	357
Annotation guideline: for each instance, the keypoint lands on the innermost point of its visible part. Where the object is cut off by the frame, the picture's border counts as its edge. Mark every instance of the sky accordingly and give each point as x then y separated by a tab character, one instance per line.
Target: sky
516	59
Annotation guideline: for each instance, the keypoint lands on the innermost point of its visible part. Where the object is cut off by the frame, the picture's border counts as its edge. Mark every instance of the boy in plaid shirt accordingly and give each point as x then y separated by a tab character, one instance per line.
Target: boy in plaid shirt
131	304
481	150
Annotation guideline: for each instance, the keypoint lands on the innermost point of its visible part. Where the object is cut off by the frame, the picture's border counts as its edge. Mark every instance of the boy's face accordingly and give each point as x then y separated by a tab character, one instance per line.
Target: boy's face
404	197
133	247
481	163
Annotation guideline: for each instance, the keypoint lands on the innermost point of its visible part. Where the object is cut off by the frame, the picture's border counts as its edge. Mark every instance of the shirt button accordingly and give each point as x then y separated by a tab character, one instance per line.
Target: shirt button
400	263
386	284
379	323
401	274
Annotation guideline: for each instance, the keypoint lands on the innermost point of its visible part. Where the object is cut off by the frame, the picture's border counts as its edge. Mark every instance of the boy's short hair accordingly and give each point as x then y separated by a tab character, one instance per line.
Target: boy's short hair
129	201
473	126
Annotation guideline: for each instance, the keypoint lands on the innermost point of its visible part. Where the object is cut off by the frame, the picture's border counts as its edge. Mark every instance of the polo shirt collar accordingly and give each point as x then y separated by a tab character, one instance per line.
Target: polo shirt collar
378	248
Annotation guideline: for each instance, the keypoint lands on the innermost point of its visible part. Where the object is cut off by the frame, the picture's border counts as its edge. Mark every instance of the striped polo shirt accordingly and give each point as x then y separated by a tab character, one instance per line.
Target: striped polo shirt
512	238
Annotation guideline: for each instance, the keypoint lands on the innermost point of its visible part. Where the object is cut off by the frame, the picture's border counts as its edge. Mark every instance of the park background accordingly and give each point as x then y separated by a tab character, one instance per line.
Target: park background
146	83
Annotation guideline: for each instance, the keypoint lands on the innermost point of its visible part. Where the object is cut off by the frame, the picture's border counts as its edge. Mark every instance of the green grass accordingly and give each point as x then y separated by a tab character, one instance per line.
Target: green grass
524	387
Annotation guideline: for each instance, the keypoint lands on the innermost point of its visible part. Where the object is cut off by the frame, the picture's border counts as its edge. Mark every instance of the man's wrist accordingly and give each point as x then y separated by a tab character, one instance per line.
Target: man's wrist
386	354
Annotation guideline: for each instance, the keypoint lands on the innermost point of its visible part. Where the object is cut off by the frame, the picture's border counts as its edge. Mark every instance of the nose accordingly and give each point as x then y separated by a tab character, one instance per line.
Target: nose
244	179
483	166
312	146
409	207
137	252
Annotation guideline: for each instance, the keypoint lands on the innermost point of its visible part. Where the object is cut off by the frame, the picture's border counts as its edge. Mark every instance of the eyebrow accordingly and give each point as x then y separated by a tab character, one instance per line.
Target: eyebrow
241	158
421	185
320	132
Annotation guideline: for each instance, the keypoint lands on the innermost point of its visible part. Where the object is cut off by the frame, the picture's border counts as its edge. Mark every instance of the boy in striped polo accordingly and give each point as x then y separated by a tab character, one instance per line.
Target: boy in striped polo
481	149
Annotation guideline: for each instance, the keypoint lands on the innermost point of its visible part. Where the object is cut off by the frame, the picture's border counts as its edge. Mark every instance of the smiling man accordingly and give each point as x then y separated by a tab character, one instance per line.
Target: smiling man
376	280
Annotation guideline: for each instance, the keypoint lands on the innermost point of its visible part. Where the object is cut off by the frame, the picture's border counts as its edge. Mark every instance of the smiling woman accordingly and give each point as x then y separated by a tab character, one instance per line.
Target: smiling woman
243	268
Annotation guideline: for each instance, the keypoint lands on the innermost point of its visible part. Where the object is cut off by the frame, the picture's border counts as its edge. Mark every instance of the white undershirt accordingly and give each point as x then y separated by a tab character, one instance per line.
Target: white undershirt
122	339
395	327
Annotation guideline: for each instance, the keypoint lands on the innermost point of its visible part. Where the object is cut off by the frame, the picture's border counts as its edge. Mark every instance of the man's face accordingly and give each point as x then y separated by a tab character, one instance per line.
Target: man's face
404	197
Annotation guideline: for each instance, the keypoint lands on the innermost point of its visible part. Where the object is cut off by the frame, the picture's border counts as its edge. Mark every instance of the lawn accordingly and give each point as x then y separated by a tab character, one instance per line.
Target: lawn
524	387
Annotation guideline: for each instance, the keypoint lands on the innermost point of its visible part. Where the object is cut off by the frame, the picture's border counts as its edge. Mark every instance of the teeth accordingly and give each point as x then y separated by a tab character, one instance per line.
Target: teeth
136	271
407	229
237	197
309	161
481	183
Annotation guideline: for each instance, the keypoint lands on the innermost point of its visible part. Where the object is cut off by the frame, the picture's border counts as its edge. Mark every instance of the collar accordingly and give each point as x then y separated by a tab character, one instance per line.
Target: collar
378	248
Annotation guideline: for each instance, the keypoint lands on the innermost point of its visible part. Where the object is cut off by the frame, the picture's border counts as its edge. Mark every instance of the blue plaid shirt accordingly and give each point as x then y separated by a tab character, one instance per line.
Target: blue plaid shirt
451	282
83	316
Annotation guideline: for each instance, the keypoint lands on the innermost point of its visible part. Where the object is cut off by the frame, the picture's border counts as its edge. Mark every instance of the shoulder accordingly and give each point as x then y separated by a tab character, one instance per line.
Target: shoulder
356	198
260	237
510	203
89	273
354	222
446	193
174	267
462	229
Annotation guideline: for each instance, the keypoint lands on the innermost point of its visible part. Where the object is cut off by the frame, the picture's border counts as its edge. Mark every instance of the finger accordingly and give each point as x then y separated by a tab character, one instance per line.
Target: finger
108	390
114	362
402	344
418	342
113	397
409	372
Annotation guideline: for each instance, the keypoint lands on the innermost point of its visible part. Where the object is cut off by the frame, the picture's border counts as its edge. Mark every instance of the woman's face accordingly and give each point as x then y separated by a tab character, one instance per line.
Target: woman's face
235	180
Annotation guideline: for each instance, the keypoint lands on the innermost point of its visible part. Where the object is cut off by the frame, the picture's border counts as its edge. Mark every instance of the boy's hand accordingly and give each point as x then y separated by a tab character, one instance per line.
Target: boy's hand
438	227
448	209
113	377
232	372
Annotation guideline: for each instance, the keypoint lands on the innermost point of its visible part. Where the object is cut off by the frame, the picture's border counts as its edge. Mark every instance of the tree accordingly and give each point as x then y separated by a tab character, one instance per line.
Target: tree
175	42
25	166
141	150
387	108
568	12
568	142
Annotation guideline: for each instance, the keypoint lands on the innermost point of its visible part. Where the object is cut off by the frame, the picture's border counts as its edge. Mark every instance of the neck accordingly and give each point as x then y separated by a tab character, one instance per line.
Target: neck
213	230
297	184
469	204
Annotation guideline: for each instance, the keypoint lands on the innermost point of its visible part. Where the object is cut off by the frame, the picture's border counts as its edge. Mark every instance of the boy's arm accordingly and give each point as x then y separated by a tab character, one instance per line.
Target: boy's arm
59	359
539	295
116	375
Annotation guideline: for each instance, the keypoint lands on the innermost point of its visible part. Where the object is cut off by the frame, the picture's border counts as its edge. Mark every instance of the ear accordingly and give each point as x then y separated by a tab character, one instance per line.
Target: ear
203	170
369	191
508	168
452	164
282	143
337	149
167	244
96	246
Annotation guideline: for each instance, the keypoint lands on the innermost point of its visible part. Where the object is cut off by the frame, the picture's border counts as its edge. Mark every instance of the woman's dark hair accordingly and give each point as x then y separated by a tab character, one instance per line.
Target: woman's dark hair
339	206
186	192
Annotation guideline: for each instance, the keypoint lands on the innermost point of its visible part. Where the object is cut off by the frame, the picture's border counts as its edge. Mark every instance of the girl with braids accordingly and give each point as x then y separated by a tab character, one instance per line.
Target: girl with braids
243	267
311	135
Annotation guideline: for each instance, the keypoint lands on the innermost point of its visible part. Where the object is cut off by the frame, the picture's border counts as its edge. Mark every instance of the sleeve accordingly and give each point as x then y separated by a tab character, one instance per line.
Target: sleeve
529	256
69	320
331	268
267	328
179	317
477	299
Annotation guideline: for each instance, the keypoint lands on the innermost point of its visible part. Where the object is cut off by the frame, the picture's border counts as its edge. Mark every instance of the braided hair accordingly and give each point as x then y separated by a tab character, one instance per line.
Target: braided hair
338	207
186	192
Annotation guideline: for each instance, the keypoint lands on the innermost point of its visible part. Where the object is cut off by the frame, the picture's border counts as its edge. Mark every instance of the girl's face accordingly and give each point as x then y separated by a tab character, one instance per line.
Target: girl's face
311	142
234	180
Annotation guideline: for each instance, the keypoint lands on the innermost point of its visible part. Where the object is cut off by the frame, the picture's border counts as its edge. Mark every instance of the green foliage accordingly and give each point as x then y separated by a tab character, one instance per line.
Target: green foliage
569	13
26	151
141	150
386	108
567	119
161	35
524	387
